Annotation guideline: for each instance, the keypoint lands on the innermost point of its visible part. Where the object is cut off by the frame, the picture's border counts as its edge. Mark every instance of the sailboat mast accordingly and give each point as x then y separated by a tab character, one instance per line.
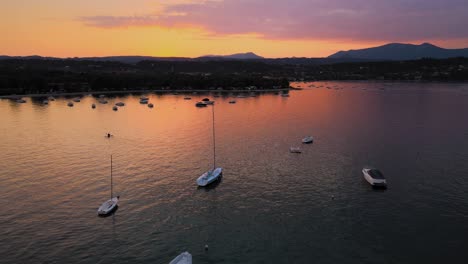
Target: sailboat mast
214	140
111	177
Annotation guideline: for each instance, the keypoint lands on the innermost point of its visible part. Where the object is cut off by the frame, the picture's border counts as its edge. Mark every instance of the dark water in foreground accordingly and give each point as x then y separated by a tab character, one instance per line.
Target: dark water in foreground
271	206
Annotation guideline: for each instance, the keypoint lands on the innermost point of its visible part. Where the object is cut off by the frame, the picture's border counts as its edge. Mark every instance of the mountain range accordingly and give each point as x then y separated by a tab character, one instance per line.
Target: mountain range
388	52
399	51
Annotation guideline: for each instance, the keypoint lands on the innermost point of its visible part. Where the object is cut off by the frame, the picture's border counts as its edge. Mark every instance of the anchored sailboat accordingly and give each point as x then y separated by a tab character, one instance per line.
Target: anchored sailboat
110	205
215	173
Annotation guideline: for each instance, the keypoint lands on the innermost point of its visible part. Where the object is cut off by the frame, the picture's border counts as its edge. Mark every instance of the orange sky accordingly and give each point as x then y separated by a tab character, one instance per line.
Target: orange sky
143	27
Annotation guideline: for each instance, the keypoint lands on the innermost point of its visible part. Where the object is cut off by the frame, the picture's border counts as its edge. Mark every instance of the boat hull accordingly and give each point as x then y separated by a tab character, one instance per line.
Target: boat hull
209	177
375	183
108	206
184	258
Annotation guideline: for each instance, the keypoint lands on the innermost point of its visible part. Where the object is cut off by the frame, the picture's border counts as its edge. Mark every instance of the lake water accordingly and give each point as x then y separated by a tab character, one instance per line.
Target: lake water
270	207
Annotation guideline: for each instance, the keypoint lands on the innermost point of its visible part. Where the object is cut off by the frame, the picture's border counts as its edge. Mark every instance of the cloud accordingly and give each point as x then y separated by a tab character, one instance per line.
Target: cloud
397	20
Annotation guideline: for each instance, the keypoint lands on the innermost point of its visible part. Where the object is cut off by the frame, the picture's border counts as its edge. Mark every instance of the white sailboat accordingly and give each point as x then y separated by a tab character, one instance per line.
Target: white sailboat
215	173
184	258
110	205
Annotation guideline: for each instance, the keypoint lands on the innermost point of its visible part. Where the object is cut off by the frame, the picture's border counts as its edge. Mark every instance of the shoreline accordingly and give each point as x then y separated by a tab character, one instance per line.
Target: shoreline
17	96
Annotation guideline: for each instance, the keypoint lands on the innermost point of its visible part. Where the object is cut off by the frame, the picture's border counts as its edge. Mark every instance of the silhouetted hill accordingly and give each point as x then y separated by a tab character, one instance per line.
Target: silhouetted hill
398	51
237	56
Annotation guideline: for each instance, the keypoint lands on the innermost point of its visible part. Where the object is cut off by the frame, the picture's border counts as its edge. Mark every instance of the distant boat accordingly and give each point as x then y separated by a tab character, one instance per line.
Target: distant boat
115	108
285	95
144	98
110	205
308	140
209	102
187	98
295	150
21	101
101	96
215	173
184	258
51	98
76	100
150	105
93	106
200	104
103	101
70	104
120	104
45	102
374	177
206	99
232	101
143	101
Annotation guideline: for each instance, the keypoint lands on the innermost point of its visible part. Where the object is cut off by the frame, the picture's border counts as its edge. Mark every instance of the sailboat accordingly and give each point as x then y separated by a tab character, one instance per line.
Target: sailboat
215	173
110	205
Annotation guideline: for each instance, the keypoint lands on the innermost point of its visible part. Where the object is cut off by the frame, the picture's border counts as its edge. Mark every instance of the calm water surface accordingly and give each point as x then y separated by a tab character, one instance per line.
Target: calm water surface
270	207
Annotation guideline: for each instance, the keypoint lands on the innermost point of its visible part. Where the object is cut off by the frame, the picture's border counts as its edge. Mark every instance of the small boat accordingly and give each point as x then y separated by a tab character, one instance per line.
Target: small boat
115	108
285	95
232	101
93	106
45	102
101	96
144	98
70	104
295	150
184	258
51	98
143	101
103	101
110	205
187	98
374	177
120	104
21	101
200	104
308	140
206	99
214	173
76	100
209	102
150	105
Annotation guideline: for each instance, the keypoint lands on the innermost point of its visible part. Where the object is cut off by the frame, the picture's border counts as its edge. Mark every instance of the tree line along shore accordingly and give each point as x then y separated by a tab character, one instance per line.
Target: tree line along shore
59	76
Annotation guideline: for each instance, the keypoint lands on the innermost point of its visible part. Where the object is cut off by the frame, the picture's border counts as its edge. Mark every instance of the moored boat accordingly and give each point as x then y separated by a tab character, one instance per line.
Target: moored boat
200	104
374	177
308	140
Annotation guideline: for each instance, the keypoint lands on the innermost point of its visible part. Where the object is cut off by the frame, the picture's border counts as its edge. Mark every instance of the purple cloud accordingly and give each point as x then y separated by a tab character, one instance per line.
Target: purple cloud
397	20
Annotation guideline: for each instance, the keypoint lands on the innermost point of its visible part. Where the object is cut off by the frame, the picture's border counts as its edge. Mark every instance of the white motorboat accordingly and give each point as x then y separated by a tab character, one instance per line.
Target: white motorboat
120	104
201	104
308	140
143	101
70	104
184	258
144	98
374	177
295	150
214	173
209	102
110	205
21	101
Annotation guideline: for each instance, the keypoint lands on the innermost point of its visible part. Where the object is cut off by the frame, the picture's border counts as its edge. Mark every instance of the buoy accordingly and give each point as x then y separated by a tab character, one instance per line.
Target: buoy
206	247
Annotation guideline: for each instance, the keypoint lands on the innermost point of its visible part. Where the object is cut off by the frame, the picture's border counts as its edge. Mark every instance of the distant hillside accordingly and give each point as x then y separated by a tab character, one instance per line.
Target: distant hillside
237	56
398	51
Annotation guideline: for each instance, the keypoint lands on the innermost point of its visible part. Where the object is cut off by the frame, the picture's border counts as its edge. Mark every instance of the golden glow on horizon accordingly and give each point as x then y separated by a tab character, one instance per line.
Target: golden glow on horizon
53	28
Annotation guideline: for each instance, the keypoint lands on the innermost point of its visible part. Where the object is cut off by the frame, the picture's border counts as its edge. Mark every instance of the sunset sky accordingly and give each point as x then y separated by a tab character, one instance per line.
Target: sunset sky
191	28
